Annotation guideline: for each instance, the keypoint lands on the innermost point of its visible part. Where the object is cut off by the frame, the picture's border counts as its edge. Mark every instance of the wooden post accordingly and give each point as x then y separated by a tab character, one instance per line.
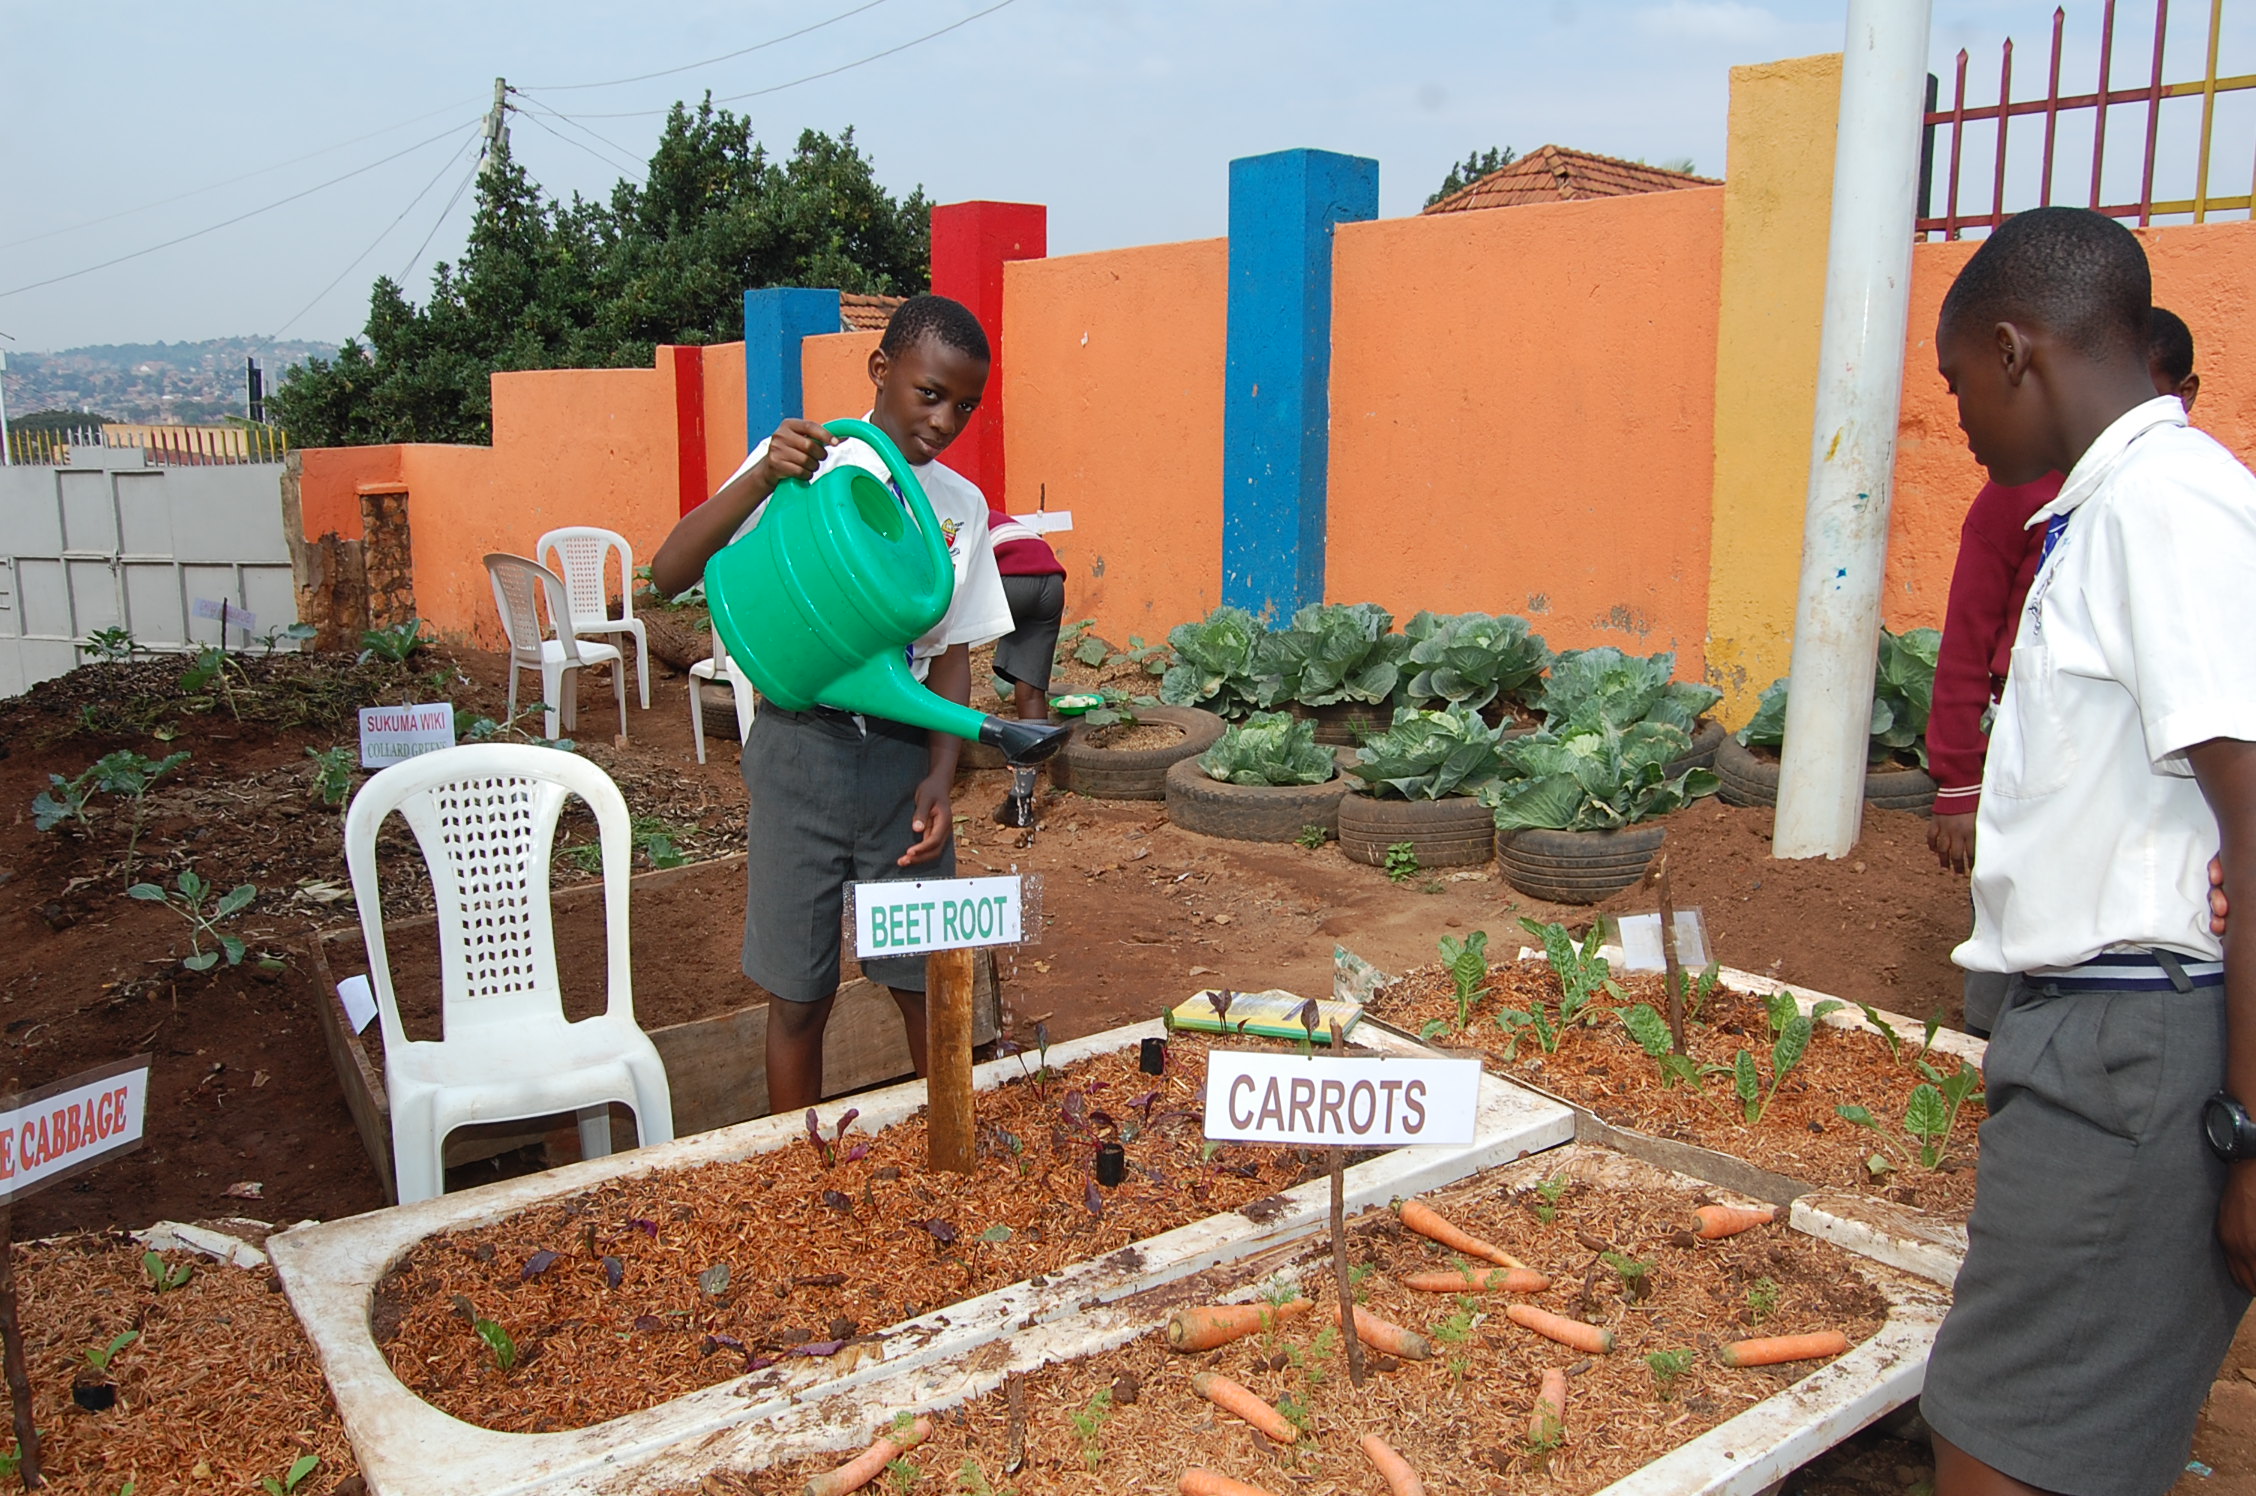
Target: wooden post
951	1120
12	1353
1672	969
1339	1245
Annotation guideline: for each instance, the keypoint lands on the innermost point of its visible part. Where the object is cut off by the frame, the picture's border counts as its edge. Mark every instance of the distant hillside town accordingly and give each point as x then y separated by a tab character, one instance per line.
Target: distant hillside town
189	383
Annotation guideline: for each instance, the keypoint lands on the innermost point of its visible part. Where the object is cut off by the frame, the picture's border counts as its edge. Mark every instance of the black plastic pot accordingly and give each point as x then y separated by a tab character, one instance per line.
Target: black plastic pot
1112	1164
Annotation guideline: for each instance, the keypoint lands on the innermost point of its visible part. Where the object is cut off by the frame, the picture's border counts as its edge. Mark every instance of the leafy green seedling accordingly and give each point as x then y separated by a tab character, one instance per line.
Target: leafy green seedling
294	633
130	774
1636	1277
1667	1367
1548	1194
470	727
1467	963
1313	837
111	644
1703	988
1786	1052
394	645
1402	862
162	1278
1882	1027
903	1472
971	1480
193	903
1582	972
210	666
1458	1327
1089	1423
498	1341
332	772
100	1357
63	800
1862	1117
301	1467
648	835
1762	1299
1651	1031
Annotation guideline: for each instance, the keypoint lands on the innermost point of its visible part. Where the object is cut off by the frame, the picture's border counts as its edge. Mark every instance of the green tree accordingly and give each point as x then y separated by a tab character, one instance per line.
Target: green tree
544	284
1470	170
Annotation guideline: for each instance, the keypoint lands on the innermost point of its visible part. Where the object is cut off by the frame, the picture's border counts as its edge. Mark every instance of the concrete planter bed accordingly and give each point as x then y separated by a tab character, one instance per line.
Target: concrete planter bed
1101	1404
332	1272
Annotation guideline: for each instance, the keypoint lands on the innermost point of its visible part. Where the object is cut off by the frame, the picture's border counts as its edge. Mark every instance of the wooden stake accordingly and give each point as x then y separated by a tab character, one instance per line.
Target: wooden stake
1674	970
951	1121
12	1354
1339	1245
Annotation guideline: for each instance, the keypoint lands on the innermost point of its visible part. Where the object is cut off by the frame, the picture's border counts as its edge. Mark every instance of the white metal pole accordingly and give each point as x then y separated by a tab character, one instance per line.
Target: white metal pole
7	452
1853	446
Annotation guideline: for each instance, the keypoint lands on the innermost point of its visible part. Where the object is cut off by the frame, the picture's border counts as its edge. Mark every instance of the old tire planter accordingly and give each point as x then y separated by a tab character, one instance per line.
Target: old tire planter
1576	867
1748	780
1134	773
1706	741
1249	812
1899	788
1457	831
1344	723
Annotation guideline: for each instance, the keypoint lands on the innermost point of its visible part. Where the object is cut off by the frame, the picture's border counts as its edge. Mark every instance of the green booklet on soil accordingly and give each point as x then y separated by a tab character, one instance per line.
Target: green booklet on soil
1274	1014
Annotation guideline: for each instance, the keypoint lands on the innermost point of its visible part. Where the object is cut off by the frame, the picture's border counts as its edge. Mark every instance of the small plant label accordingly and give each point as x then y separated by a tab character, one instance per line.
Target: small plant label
394	734
1640	938
51	1133
1353	1102
1046	521
221	611
897	917
359	1001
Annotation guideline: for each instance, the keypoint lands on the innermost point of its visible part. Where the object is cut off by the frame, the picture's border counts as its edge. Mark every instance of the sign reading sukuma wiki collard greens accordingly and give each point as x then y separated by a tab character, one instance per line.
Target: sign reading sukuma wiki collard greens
1353	1102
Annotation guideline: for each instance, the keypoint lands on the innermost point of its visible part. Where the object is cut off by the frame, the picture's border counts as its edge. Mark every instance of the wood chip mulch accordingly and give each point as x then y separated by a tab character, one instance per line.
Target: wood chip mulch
651	1287
1801	1136
1127	1421
220	1390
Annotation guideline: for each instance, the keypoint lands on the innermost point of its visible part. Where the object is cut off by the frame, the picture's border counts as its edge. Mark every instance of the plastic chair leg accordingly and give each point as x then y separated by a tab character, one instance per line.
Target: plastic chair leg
642	664
595	1131
514	667
418	1170
696	719
619	689
560	689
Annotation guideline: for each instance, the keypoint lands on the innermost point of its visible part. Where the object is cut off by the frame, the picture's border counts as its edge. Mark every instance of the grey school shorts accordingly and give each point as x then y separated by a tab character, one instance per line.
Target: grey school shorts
1029	651
829	805
2095	1305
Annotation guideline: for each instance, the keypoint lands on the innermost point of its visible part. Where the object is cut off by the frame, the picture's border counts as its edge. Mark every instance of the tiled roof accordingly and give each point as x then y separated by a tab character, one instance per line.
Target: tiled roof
859	313
1555	174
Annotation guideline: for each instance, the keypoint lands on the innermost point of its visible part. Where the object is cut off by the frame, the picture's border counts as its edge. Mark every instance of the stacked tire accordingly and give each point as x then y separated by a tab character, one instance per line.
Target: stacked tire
1457	831
1133	773
1576	867
1249	812
1749	780
1707	740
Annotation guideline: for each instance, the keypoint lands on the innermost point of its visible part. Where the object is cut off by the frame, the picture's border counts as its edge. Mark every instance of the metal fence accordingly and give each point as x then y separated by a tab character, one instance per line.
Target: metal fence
164	446
1993	122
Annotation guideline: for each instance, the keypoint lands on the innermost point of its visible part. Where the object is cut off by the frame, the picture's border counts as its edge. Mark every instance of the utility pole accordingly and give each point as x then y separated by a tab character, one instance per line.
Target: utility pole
255	387
7	451
497	122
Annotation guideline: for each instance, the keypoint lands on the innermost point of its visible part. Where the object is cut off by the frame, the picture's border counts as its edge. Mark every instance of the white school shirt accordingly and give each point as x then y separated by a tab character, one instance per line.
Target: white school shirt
2138	642
979	613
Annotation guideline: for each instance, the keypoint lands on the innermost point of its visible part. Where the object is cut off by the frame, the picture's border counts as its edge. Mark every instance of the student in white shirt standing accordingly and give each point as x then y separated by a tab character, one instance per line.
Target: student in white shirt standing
836	797
2113	1240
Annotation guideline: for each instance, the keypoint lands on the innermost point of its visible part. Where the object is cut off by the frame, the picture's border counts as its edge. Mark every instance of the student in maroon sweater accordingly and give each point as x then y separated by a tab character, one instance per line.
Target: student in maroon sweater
1034	582
1998	553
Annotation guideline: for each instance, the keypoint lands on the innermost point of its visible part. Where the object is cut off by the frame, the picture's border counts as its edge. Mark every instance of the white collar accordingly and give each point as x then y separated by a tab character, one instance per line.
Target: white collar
2106	450
870	417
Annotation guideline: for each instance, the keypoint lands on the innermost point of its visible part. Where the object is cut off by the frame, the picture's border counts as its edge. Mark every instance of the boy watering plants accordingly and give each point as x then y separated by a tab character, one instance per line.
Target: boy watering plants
837	797
2112	1245
1998	553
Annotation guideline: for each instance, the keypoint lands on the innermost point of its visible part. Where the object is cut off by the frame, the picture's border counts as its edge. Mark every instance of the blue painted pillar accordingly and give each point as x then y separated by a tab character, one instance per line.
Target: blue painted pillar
1276	409
775	319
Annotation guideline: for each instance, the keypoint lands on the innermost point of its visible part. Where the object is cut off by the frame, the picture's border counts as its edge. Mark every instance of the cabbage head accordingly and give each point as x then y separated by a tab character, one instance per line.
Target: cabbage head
1333	652
1269	748
1591	688
1596	780
1429	755
1213	662
1471	659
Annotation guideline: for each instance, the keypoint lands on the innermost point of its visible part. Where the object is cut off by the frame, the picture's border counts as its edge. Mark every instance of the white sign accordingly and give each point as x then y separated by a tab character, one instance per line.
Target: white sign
360	1001
1640	936
1355	1102
1046	521
901	918
233	615
393	734
71	1125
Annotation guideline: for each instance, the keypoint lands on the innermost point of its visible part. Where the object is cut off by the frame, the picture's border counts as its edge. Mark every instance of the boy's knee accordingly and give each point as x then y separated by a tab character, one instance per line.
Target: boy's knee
799	1021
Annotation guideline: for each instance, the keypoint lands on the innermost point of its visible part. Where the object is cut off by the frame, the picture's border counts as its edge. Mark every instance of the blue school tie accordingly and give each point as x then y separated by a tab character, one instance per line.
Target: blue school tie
2053	531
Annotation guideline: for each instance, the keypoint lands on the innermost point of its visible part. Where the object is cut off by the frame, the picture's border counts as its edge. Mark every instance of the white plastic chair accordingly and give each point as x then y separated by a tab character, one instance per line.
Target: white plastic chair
719	667
514	579
485	816
582	552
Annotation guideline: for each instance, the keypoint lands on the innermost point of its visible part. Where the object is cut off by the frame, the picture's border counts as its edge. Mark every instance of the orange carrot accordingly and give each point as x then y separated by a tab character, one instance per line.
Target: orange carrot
1558	1327
1198	1482
1719	1221
1393	1468
864	1467
1427	1222
1465	1280
1233	1398
1547	1425
1770	1350
1390	1339
1204	1328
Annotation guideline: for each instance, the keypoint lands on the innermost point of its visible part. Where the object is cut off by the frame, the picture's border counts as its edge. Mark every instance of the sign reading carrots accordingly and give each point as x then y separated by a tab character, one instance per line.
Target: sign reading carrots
1352	1102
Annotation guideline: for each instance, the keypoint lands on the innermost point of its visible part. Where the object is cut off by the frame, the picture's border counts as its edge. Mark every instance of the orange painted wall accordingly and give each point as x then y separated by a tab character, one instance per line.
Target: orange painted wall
1115	378
725	442
1523	417
328	486
834	372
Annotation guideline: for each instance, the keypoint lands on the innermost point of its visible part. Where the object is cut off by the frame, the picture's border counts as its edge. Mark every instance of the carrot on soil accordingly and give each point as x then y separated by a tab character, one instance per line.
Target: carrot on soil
1232	1397
1772	1349
864	1467
1548	1423
1569	1332
1719	1221
1393	1468
1466	1280
1390	1339
1428	1222
1205	1327
1198	1482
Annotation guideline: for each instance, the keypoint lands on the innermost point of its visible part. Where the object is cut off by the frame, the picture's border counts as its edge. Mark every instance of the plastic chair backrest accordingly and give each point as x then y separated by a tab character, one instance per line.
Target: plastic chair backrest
582	553
484	816
515	580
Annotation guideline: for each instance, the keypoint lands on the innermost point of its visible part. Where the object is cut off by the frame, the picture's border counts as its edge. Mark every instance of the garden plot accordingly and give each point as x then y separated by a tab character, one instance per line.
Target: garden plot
1660	1412
334	1274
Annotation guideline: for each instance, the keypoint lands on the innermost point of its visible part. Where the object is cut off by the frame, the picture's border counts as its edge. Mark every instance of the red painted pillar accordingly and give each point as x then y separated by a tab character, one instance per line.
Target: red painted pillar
689	424
970	243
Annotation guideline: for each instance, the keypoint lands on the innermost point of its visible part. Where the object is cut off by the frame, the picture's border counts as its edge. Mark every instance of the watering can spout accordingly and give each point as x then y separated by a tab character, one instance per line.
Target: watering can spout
1023	742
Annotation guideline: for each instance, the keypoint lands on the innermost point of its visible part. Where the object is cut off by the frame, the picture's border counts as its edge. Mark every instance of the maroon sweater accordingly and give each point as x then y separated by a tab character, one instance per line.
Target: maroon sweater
1998	554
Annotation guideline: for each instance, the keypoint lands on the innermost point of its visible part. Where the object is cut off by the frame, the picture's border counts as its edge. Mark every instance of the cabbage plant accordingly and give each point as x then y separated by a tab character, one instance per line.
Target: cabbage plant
1333	652
1596	779
1590	688
1213	662
1471	659
1269	748
1429	755
1903	695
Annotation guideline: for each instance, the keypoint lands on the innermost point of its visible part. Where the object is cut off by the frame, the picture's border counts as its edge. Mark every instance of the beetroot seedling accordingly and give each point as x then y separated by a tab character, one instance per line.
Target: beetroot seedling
162	1278
498	1343
303	1466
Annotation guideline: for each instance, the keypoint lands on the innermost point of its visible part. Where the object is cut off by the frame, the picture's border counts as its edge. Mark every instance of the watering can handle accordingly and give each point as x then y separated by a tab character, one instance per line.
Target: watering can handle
920	507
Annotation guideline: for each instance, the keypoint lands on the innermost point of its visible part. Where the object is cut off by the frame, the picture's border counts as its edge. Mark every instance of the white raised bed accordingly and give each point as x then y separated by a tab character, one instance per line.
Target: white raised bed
406	1447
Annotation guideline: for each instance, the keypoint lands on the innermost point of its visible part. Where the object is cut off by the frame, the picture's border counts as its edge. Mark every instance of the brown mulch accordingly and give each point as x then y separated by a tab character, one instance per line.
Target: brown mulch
815	1257
220	1390
1599	1066
1127	1420
1130	736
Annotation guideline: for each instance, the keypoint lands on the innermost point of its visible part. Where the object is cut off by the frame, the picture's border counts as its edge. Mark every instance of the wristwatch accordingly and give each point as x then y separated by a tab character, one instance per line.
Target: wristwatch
2231	1131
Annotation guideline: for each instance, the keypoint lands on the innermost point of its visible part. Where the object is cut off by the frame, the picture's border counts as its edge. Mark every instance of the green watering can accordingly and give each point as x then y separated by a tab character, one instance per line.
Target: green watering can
819	603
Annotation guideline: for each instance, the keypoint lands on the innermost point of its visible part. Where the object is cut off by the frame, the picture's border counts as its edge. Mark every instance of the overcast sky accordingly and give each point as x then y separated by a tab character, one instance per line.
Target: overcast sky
1121	115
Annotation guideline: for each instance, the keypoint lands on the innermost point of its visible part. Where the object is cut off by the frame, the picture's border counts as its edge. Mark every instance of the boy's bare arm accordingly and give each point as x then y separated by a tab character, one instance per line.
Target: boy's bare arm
795	451
950	676
2226	771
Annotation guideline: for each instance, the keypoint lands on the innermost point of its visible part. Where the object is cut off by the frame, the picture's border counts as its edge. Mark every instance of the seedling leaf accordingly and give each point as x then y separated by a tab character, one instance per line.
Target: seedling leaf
497	1341
1649	1029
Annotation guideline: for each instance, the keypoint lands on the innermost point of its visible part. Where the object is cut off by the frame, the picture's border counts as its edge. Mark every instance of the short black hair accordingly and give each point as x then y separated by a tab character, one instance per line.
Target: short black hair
2077	274
930	316
2169	344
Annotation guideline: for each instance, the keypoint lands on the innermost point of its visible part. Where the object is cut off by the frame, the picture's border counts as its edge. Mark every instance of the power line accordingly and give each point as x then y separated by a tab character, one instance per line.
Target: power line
238	218
229	181
444	167
724	57
444	213
617	155
843	67
589	151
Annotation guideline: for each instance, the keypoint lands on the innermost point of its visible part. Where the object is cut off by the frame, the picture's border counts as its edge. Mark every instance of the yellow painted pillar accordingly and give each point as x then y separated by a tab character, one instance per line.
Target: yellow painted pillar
1777	206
